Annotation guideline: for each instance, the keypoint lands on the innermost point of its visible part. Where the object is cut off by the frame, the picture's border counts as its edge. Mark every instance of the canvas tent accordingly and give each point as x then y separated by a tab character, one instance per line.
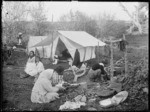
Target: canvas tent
33	40
70	40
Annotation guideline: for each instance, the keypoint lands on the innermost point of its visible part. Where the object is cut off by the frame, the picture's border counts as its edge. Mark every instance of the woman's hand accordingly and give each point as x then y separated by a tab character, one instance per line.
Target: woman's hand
59	86
61	89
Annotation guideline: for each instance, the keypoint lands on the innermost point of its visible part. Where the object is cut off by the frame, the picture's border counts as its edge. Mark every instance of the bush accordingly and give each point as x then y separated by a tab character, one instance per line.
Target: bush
137	79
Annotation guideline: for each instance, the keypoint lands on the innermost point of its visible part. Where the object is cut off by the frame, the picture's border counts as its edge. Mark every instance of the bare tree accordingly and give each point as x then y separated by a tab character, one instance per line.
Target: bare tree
105	24
12	14
79	21
137	17
38	17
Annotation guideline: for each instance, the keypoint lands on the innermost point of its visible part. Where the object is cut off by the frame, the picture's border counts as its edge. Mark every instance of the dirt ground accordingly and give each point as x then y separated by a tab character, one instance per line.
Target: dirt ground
17	92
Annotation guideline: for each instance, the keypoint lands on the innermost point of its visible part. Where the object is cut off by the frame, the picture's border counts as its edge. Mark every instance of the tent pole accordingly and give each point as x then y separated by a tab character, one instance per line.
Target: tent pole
125	57
43	51
98	52
42	48
52	46
91	52
84	26
52	39
111	60
84	54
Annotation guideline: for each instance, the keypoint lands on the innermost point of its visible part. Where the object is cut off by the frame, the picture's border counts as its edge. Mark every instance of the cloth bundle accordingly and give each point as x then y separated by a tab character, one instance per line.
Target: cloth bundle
71	105
115	100
122	45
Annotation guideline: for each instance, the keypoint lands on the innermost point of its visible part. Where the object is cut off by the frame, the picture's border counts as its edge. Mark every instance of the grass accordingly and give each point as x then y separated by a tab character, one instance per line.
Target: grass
17	92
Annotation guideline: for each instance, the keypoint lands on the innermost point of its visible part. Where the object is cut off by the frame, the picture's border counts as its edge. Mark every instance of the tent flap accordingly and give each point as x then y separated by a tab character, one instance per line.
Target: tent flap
87	53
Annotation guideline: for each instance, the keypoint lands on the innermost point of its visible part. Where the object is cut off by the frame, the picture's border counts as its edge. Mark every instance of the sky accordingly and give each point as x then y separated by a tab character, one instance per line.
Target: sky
90	8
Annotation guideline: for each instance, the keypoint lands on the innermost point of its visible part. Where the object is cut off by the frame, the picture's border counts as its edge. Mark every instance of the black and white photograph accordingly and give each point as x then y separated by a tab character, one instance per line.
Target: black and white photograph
74	56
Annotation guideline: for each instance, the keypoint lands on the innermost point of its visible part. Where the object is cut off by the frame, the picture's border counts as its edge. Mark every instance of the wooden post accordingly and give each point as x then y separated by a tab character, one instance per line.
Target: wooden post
111	59
42	48
84	25
125	57
98	52
52	46
52	41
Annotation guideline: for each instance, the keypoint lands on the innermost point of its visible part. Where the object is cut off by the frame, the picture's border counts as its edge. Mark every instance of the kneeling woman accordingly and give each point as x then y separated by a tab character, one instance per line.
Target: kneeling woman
43	91
98	73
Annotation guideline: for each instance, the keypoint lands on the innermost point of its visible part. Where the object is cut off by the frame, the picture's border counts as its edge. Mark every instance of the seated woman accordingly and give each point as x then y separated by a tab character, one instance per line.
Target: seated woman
62	57
55	59
43	90
33	67
30	65
38	68
97	72
65	54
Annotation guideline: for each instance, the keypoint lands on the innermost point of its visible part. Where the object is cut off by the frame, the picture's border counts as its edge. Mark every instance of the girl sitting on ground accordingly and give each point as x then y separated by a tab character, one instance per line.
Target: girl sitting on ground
38	69
33	67
43	90
29	65
31	58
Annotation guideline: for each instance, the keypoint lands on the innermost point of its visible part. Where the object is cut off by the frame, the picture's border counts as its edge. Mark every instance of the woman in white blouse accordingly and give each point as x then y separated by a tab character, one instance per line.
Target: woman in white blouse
33	67
38	68
44	90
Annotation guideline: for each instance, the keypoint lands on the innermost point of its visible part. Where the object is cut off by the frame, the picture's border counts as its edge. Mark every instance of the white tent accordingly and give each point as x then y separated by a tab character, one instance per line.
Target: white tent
71	40
33	40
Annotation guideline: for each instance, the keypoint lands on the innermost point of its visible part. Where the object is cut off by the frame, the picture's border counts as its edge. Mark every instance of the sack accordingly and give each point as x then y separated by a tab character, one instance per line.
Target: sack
115	100
106	103
120	97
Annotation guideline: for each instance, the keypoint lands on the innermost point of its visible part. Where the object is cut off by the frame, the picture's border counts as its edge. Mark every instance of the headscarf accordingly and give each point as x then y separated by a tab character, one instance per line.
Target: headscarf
59	70
101	64
33	54
47	74
37	57
98	66
20	33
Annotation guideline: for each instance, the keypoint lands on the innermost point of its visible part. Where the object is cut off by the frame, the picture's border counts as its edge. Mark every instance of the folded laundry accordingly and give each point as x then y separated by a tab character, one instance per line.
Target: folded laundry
71	105
80	98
